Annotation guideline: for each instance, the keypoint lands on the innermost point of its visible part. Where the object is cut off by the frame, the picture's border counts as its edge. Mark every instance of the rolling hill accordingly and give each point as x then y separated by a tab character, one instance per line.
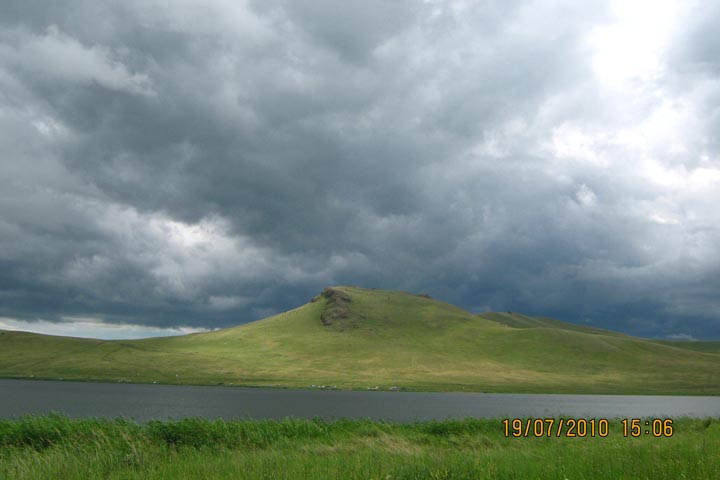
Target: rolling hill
352	337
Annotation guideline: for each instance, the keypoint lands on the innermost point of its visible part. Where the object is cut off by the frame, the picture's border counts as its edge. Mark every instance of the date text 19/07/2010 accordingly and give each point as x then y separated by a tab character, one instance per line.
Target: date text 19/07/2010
582	427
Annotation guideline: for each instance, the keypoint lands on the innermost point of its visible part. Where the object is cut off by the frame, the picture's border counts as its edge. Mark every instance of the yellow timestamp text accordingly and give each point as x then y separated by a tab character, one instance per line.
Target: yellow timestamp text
585	427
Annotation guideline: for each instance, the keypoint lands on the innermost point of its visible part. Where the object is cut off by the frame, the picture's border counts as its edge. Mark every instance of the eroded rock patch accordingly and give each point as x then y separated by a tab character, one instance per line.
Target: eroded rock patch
337	306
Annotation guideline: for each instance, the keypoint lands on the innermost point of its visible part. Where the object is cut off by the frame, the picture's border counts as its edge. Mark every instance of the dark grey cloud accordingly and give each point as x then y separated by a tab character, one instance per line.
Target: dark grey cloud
204	164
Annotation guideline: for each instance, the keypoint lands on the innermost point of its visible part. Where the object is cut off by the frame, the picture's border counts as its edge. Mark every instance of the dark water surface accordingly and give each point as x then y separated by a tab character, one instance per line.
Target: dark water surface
145	402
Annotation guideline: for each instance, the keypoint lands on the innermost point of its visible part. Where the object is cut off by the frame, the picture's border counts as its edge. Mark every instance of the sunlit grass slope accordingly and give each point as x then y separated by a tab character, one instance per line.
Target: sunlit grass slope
359	338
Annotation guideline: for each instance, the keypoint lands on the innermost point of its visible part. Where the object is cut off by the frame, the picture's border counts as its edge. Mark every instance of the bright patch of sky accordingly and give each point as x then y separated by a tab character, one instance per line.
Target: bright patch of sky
93	328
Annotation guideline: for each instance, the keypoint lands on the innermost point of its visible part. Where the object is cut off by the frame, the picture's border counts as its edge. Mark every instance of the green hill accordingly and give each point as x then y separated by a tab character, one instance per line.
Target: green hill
351	337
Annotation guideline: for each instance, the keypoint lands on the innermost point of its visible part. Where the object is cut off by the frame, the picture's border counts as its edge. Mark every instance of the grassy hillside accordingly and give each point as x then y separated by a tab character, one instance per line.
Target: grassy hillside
358	338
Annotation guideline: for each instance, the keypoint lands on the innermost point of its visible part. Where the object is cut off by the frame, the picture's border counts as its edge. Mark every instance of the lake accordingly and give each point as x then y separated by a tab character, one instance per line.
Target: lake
145	402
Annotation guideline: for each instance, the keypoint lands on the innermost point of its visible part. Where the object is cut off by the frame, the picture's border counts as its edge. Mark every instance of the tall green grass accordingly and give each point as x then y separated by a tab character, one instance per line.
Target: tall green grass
52	447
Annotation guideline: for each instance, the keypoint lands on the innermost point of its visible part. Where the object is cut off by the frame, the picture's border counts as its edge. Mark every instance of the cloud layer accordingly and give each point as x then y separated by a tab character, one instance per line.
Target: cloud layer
204	164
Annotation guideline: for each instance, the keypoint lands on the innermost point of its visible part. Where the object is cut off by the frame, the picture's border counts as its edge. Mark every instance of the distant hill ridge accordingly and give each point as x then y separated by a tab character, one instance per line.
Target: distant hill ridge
352	337
518	320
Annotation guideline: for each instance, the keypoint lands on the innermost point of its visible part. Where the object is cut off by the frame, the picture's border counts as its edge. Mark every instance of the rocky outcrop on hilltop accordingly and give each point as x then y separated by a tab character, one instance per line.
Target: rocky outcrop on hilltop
337	306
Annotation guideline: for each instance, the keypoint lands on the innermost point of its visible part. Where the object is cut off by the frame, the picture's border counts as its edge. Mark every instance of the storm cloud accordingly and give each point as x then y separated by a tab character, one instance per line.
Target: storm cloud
204	164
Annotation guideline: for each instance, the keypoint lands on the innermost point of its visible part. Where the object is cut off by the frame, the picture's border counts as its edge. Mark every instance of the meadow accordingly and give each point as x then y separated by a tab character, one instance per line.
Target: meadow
51	447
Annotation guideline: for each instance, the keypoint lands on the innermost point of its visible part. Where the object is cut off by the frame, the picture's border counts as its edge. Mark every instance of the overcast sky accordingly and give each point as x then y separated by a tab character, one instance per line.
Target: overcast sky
173	166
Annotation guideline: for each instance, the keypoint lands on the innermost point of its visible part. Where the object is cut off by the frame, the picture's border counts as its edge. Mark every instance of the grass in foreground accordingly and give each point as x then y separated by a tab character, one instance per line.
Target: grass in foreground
56	447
